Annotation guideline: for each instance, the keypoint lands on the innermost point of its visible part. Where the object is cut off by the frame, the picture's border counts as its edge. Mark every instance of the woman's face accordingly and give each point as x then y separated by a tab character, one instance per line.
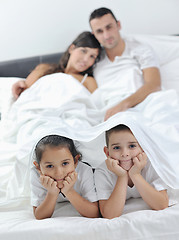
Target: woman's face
57	163
81	58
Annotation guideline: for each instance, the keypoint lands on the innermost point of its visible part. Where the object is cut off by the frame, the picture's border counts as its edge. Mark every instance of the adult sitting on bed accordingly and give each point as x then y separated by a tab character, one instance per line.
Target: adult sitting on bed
78	60
121	57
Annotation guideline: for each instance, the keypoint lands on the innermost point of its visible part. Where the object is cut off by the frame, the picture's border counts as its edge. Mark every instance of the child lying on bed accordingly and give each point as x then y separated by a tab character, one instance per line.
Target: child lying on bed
125	174
59	176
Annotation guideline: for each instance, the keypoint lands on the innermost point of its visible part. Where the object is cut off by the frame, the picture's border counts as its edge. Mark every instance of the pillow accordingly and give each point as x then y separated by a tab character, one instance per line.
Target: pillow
170	75
166	47
167	51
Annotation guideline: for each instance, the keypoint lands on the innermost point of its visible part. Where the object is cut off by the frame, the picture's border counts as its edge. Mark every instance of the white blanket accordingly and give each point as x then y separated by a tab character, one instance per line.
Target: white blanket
45	109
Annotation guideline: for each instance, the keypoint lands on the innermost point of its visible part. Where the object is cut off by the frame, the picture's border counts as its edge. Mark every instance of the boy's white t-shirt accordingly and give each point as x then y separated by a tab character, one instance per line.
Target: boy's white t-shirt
136	57
105	181
84	185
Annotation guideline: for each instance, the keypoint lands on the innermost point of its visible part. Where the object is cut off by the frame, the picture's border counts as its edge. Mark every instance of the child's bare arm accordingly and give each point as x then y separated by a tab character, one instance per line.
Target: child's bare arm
46	208
113	207
157	200
83	206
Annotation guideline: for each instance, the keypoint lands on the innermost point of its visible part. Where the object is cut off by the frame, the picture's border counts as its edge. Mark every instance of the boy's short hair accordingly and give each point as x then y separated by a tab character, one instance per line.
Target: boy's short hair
100	12
117	128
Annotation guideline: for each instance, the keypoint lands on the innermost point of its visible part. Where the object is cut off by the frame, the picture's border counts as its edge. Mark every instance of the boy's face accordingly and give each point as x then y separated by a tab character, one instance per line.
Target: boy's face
123	147
106	30
57	163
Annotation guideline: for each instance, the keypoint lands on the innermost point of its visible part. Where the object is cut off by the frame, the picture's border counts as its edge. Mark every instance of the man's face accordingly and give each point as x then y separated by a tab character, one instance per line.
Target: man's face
106	31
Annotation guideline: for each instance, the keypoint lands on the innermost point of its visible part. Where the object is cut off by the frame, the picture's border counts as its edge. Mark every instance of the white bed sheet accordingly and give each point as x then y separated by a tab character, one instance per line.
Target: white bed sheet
137	221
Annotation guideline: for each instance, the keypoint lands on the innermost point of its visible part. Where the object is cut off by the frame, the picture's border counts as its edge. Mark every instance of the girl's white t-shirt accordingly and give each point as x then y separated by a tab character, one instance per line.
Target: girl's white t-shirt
84	185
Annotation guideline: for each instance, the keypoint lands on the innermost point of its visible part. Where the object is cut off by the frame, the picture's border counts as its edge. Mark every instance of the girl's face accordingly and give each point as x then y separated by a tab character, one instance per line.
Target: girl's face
81	58
57	162
123	147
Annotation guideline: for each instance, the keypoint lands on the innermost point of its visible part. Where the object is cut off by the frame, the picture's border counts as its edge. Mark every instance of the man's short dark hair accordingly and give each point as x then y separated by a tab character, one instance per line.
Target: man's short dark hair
118	128
100	12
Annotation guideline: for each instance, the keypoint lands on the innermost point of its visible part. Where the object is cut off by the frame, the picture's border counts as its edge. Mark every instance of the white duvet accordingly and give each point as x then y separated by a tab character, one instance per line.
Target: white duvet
59	104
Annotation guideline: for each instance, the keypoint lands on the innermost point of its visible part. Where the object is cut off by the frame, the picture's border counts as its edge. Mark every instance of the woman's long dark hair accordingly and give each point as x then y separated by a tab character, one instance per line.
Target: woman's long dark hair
85	39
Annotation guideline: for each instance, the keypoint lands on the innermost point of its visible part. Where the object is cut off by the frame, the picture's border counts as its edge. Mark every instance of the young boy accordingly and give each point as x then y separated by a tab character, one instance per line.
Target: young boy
127	173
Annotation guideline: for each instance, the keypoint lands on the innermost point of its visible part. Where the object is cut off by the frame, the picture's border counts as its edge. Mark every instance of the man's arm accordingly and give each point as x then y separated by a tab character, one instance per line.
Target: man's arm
152	83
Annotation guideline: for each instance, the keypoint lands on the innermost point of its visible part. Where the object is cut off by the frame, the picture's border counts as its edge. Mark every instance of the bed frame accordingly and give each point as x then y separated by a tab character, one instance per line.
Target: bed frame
22	67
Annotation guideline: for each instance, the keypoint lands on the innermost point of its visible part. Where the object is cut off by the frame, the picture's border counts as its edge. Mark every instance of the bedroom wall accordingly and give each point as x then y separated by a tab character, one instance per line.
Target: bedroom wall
35	27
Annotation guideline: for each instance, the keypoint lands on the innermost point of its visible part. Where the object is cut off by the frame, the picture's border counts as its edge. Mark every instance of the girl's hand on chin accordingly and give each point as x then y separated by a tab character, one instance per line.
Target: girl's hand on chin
50	184
69	182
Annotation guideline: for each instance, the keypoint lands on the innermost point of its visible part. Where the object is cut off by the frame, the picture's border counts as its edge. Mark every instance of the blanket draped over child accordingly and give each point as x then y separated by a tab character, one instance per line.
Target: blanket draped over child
59	104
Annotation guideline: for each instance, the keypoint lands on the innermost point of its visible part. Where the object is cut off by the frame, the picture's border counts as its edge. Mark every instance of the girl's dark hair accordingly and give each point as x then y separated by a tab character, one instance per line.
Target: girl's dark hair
55	141
100	12
85	39
118	128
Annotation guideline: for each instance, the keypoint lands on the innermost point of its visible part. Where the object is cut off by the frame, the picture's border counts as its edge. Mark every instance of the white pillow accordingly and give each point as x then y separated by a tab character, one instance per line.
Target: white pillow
170	75
167	50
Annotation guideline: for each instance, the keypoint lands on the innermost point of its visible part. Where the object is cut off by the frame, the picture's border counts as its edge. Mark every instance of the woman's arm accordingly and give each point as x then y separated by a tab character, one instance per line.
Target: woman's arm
38	72
90	84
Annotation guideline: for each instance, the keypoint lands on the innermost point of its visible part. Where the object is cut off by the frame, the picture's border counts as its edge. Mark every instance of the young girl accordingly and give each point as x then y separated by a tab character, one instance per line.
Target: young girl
125	174
78	60
59	176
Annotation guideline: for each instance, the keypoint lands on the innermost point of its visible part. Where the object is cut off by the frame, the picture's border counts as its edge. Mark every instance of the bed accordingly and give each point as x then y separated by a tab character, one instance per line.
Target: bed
138	221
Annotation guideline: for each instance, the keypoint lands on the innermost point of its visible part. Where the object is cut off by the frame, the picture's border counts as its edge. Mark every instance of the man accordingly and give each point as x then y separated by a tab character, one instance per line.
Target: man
121	54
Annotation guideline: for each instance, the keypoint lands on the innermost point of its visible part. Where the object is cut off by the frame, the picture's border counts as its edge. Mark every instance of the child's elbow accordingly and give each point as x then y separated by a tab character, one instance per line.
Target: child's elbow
162	205
110	215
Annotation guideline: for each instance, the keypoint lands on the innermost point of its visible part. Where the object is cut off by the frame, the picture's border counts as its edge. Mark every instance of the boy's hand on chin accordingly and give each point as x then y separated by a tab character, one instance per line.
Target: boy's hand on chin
113	165
139	163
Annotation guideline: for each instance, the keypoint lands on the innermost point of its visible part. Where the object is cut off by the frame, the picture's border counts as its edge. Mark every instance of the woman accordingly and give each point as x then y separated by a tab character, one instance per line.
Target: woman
78	61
